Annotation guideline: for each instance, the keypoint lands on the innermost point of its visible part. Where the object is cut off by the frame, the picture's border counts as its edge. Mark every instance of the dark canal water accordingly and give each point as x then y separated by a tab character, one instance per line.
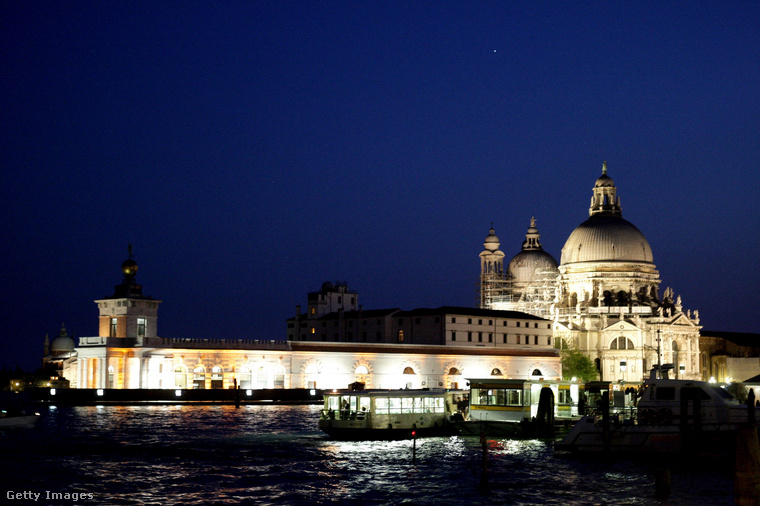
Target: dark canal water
274	454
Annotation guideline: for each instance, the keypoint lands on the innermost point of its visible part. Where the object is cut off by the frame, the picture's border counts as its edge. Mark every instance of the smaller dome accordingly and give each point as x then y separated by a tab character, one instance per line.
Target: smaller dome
532	260
525	266
63	343
492	241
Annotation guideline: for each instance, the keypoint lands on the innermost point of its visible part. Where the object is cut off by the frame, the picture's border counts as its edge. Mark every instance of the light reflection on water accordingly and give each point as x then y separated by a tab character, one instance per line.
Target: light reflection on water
272	454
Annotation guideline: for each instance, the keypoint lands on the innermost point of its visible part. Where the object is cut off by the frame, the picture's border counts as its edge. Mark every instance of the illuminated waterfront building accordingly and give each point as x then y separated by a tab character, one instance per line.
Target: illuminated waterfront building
604	295
334	344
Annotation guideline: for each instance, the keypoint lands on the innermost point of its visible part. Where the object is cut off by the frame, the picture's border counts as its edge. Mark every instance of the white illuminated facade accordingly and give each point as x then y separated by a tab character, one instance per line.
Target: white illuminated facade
604	297
334	344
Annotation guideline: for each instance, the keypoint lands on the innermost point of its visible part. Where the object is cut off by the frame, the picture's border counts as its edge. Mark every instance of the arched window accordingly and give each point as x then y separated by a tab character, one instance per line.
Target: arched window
622	343
454	372
408	370
180	377
199	378
245	377
496	372
401	336
362	369
536	372
217	377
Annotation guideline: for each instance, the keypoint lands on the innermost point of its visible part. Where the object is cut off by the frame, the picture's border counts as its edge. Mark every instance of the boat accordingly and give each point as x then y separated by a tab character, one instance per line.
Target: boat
389	414
519	408
671	415
11	418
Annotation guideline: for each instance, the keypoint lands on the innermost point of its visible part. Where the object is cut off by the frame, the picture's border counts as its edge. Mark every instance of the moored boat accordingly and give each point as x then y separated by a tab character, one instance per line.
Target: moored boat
671	416
17	419
519	408
388	414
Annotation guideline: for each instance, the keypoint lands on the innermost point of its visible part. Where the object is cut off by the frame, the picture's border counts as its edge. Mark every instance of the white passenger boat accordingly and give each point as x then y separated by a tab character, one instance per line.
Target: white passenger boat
671	416
388	414
513	407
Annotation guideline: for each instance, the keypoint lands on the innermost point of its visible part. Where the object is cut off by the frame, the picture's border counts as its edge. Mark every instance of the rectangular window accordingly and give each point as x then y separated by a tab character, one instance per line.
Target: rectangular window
535	325
453	320
114	325
480	322
401	336
504	336
505	323
517	324
490	337
453	335
141	324
469	336
535	339
469	320
490	322
480	337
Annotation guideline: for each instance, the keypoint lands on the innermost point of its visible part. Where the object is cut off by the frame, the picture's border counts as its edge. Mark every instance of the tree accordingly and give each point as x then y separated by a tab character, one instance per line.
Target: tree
738	390
574	363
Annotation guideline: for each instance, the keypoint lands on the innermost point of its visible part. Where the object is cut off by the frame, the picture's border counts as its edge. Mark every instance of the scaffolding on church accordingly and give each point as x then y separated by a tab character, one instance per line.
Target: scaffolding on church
534	297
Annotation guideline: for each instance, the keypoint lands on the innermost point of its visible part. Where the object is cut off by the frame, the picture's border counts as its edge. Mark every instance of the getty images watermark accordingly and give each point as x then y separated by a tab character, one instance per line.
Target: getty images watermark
47	495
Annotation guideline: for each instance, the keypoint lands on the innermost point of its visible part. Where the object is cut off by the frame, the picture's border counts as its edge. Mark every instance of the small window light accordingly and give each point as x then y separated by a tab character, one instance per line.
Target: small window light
100	391
178	393
52	391
249	392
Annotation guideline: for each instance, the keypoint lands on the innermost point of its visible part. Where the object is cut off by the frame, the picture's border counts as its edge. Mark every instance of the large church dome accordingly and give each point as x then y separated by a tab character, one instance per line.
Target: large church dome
605	236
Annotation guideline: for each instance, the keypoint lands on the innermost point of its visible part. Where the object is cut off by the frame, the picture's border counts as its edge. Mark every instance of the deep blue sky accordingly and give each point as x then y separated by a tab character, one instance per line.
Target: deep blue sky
252	150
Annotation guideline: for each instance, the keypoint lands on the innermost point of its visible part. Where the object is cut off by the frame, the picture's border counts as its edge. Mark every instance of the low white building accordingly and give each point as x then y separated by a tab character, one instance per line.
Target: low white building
333	345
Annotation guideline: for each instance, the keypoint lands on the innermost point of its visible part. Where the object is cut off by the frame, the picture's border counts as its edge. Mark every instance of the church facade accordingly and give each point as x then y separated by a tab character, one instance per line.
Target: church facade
603	296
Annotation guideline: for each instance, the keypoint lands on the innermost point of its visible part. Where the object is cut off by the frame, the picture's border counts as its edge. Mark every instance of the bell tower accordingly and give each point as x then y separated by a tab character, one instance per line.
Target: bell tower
491	269
128	314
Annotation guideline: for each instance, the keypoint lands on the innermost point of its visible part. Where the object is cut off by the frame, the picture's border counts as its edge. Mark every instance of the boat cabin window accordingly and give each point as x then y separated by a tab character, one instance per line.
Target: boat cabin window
497	396
665	393
396	405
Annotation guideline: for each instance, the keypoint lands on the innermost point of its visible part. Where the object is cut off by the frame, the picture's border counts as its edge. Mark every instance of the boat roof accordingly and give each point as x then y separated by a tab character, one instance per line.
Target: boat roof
394	393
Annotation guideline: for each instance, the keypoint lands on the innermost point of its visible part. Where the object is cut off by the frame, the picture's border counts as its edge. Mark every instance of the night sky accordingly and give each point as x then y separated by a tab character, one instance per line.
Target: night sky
250	151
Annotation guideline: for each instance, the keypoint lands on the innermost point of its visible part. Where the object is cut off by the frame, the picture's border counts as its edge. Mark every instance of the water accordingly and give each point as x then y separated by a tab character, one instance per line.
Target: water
270	454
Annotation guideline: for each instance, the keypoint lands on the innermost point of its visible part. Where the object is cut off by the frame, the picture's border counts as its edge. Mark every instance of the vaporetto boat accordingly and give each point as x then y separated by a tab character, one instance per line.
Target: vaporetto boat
513	407
671	416
389	414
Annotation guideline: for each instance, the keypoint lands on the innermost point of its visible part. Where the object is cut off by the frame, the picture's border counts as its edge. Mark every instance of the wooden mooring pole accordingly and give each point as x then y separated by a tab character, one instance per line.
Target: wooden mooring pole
747	471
